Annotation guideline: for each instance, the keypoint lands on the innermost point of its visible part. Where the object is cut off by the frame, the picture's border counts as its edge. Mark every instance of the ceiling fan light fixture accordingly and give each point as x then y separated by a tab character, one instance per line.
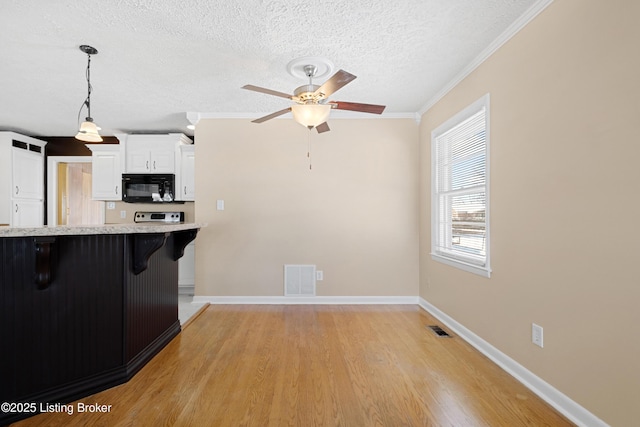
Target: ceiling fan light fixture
88	131
312	108
310	115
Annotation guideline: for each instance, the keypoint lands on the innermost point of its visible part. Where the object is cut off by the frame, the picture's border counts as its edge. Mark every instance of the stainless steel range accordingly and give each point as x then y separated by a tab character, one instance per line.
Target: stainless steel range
170	217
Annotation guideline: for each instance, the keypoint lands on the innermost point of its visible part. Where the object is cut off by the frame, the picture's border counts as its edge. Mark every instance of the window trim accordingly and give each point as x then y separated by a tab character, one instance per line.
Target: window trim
475	107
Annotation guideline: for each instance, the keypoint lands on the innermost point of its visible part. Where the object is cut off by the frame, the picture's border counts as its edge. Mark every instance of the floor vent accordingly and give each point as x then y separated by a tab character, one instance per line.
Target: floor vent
299	280
439	331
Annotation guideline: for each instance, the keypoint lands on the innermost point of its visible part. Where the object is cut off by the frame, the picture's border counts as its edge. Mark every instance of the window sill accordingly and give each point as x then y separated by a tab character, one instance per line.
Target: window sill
480	271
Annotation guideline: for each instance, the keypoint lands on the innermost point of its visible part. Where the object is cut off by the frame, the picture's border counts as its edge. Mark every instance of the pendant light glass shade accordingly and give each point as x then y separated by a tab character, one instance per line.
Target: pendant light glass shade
88	132
310	115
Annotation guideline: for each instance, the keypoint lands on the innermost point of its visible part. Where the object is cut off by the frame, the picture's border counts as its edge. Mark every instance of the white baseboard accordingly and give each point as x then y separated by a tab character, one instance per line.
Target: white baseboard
544	390
337	300
186	289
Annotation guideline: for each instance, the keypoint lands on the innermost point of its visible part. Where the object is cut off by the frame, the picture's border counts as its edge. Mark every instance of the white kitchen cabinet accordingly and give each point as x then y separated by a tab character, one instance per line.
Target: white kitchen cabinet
28	174
27	213
152	153
186	180
106	175
143	158
21	180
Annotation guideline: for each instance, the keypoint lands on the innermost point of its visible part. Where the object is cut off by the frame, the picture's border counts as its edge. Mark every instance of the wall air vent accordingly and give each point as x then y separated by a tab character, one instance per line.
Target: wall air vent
439	331
299	280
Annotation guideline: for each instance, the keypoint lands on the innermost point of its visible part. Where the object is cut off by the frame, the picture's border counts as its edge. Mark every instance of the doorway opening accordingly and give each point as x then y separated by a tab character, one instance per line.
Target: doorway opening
69	199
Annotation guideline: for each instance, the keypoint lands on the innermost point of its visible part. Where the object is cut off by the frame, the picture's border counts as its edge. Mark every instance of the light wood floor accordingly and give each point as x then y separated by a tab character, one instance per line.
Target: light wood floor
315	366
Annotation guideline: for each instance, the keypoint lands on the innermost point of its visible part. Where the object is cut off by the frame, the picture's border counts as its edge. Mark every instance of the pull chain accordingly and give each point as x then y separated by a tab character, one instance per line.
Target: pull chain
309	146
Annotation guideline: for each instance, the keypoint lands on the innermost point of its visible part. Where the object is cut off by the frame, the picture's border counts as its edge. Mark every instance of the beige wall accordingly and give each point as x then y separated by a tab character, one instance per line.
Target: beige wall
565	182
354	215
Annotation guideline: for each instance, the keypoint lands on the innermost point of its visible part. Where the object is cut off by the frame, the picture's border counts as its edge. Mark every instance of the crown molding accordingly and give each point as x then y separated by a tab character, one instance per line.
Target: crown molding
195	117
511	31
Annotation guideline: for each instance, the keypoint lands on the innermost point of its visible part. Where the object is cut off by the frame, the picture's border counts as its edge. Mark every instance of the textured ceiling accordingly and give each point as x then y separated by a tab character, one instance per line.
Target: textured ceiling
159	59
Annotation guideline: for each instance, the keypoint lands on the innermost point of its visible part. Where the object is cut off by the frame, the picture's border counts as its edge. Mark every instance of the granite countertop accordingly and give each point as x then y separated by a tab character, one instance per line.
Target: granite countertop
76	230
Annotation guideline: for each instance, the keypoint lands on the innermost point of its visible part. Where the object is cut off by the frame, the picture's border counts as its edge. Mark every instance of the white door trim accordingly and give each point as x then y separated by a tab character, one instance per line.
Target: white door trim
52	184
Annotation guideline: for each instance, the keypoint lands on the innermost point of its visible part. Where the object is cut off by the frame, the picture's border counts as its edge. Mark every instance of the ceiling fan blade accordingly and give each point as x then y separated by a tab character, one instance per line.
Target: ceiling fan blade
267	91
354	106
323	127
271	116
336	81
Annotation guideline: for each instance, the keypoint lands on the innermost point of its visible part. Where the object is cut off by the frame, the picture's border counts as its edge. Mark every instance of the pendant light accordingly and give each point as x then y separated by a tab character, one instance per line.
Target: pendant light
88	131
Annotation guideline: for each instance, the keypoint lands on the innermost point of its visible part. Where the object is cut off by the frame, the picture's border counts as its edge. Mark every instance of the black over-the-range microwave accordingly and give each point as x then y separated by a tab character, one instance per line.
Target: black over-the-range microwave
148	188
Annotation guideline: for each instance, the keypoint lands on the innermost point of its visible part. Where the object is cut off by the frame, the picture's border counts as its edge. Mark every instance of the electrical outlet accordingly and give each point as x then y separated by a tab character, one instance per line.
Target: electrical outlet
537	335
111	205
319	275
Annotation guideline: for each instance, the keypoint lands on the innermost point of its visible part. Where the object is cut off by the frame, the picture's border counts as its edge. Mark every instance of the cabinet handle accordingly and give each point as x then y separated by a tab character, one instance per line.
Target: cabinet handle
147	165
116	189
16	208
185	189
17	189
154	165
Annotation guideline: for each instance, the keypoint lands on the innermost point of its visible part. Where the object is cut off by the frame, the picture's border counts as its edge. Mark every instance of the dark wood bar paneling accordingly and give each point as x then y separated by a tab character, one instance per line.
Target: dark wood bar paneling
93	326
151	301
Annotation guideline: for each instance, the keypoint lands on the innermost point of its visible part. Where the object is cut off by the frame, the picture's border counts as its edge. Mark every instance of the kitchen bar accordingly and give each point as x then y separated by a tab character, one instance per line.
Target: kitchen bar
83	308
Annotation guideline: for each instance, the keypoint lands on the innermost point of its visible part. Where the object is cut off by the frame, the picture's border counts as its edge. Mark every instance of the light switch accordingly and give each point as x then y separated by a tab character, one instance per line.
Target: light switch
111	205
220	205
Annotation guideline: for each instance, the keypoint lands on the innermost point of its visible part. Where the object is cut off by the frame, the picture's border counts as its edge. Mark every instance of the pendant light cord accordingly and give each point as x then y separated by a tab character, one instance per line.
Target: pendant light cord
87	100
89	88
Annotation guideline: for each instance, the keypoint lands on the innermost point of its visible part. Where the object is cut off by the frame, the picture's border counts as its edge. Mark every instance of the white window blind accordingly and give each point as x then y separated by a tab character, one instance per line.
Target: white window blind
460	188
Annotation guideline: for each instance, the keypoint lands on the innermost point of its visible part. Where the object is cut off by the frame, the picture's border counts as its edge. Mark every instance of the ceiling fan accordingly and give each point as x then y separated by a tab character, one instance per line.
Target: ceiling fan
312	107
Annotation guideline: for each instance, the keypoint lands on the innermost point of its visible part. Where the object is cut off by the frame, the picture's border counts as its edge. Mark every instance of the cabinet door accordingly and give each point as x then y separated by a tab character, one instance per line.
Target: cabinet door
187	176
150	154
138	159
27	213
163	161
28	175
106	177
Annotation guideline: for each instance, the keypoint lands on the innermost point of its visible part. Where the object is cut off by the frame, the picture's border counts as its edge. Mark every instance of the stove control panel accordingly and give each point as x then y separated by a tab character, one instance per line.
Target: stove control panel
158	217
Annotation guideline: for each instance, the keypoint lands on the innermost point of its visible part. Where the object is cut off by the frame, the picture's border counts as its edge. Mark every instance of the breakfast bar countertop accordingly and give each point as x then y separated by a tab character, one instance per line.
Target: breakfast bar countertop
76	230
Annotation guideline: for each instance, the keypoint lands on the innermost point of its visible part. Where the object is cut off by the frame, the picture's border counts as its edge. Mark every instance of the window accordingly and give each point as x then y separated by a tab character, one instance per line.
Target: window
460	190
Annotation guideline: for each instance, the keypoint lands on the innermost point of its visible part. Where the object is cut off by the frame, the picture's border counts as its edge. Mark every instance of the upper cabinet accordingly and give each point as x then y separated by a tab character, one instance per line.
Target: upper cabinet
21	180
106	174
144	154
152	153
149	158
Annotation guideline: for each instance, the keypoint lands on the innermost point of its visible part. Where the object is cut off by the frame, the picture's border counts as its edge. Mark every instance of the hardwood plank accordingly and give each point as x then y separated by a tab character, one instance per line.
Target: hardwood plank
315	366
